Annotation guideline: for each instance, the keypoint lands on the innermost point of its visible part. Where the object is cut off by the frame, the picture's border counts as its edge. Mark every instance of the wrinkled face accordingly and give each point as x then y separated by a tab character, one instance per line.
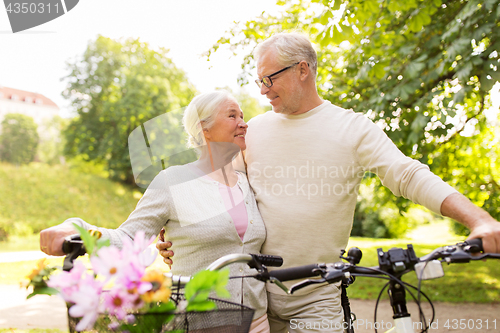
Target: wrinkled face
285	94
229	125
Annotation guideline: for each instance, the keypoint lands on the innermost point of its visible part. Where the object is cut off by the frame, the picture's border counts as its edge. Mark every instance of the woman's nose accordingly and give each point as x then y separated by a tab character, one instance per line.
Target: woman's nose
242	124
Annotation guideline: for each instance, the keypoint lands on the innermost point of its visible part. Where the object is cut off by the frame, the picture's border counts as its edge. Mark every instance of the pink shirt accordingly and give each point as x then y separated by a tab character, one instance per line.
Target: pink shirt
234	203
233	200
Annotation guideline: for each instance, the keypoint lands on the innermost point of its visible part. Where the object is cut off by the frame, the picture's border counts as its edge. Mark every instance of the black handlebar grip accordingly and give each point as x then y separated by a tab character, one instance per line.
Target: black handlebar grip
69	243
295	273
476	245
268	260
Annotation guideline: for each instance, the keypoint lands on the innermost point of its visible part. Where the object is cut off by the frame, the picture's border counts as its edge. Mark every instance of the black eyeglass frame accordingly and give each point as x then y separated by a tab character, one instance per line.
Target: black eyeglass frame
261	81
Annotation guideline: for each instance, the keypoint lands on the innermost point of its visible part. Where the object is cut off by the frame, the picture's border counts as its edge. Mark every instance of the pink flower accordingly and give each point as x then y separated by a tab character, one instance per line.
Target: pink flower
109	262
67	282
139	244
86	303
117	301
138	250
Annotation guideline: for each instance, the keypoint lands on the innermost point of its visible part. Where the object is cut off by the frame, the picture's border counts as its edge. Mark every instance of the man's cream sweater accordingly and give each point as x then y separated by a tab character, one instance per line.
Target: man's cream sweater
306	169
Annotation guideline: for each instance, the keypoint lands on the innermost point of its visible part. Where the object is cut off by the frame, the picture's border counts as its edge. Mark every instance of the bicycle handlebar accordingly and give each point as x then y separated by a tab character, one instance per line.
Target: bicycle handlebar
329	273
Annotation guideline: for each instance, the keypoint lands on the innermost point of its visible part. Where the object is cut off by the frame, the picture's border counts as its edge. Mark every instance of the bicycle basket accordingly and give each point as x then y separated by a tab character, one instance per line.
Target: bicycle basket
227	318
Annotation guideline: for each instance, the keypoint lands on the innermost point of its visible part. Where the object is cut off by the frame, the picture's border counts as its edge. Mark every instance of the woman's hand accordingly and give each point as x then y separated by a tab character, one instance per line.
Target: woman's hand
163	247
51	239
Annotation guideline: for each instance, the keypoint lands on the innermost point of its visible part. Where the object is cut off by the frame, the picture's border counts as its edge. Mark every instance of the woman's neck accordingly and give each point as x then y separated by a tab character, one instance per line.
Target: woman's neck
217	165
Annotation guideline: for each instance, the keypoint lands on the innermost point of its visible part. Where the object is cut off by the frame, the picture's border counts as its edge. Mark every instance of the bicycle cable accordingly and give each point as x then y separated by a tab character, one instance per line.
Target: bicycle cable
404	284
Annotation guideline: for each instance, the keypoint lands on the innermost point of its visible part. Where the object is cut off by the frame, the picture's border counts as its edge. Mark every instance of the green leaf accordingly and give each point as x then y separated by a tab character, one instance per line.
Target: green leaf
414	69
464	73
198	289
163	307
394	5
486	84
102	243
43	291
88	241
459	96
337	36
202	306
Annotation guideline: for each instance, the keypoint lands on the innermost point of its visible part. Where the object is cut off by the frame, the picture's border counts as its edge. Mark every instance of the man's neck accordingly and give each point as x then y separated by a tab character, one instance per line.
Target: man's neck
309	105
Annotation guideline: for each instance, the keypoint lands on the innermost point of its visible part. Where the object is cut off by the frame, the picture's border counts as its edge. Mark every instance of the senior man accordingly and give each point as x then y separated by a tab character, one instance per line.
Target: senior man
305	162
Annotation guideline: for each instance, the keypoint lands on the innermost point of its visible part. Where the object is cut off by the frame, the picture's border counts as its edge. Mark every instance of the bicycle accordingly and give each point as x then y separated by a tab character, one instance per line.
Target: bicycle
393	264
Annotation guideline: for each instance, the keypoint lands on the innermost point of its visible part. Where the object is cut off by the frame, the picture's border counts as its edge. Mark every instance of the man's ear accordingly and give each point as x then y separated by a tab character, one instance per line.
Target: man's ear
304	69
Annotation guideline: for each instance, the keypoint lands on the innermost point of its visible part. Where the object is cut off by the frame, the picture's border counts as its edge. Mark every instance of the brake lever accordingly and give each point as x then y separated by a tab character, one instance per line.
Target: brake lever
280	284
305	283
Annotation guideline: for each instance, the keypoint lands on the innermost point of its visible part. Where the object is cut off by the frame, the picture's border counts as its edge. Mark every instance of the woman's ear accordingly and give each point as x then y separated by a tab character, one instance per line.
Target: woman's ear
206	132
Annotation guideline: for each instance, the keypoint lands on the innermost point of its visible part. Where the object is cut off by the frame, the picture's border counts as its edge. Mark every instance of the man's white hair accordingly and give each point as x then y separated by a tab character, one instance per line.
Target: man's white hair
201	113
291	47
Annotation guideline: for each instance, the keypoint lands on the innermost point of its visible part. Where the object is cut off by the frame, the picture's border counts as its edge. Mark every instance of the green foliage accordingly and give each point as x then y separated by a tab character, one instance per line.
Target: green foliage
422	70
149	321
91	240
115	88
378	215
459	229
38	196
38	279
475	282
19	139
201	285
50	150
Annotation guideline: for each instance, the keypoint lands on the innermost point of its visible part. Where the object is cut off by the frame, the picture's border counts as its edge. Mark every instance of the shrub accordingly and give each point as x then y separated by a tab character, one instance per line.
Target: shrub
19	139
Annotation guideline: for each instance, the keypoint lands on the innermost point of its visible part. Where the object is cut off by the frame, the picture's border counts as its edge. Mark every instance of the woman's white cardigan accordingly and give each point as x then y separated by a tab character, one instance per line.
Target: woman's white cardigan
193	213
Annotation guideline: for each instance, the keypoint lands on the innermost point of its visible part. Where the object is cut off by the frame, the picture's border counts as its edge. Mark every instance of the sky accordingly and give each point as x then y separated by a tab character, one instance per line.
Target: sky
35	59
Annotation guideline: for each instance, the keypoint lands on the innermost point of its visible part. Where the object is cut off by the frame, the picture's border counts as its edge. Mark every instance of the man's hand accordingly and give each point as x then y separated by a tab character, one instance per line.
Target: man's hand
163	248
51	239
480	223
489	232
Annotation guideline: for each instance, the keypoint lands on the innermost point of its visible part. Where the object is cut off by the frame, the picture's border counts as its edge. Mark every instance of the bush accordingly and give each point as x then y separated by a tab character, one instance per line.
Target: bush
19	139
378	215
459	229
51	145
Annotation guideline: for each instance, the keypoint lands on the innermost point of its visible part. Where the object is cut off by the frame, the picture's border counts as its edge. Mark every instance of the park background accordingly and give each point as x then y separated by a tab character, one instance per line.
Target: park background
425	71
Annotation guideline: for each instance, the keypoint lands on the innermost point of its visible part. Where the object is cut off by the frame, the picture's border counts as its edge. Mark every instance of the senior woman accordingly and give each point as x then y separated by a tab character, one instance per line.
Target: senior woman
206	207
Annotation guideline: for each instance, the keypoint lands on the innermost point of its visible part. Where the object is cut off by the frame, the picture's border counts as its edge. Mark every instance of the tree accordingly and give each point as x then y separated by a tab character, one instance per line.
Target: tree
51	148
422	70
19	139
115	88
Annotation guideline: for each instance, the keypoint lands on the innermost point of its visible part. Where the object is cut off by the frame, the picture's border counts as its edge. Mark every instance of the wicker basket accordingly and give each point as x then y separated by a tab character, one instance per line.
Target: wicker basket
227	318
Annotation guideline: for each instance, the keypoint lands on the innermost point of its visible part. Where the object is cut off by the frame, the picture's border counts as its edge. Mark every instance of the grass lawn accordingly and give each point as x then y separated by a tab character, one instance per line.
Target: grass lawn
16	272
477	281
16	243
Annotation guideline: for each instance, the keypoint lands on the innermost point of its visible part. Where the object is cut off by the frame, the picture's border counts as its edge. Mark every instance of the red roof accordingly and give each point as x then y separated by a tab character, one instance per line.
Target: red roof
25	96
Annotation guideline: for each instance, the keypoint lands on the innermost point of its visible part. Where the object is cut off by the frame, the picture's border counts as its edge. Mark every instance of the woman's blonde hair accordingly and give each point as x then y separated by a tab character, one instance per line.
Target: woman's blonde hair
201	113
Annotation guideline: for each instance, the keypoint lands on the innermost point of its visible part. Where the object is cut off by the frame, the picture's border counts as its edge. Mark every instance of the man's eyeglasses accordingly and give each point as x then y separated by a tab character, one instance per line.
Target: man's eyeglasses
266	80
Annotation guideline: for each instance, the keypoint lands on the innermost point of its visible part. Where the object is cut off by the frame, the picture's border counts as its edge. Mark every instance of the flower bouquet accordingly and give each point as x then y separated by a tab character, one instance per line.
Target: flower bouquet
120	294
